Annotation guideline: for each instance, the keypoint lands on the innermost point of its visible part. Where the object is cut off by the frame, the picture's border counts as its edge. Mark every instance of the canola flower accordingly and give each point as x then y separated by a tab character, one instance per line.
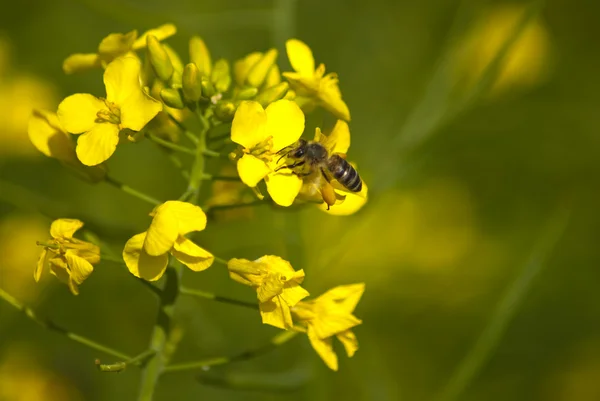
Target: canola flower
68	258
247	112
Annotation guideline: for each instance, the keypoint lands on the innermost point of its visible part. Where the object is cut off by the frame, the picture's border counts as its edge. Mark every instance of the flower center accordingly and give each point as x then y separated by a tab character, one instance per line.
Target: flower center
262	150
110	115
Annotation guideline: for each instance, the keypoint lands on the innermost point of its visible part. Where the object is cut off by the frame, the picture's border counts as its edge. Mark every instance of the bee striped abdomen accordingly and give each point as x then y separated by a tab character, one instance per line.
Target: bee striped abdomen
344	173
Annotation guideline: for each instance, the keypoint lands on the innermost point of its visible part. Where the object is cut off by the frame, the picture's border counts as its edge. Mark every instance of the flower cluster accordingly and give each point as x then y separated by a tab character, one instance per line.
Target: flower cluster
248	112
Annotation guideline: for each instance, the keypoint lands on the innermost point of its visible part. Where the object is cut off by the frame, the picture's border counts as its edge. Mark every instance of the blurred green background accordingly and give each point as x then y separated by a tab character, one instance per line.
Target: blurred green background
477	285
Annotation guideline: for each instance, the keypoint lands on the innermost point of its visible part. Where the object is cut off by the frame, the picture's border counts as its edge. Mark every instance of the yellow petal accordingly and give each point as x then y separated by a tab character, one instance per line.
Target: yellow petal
162	32
59	268
283	188
123	87
139	263
189	217
65	228
277	264
79	268
339	139
333	103
285	123
77	113
98	144
41	263
251	170
81	62
293	293
271	286
352	204
301	57
345	296
249	124
276	313
348	339
243	271
86	250
116	44
333	322
191	255
161	235
324	348
46	134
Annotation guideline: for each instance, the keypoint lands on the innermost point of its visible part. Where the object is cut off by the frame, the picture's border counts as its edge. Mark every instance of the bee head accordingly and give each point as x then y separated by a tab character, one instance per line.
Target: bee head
300	150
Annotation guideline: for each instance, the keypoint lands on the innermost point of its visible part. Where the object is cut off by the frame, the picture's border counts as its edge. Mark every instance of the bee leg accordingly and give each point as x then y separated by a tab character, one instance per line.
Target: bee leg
326	178
291	166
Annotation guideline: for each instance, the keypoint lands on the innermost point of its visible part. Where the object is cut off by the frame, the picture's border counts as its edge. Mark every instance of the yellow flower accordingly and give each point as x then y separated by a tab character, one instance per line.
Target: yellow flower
263	63
312	83
100	120
114	46
333	197
331	315
262	133
49	137
147	254
277	286
69	259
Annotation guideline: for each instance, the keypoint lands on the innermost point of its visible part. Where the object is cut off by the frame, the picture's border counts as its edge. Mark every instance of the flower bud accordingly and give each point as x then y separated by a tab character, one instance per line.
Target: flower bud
247	93
272	94
225	111
260	70
192	83
175	81
161	63
208	90
172	98
200	55
220	76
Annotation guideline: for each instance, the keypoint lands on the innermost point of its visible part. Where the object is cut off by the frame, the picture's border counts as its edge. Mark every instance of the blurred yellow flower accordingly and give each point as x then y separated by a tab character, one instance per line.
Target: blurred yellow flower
70	259
147	254
277	286
49	137
101	120
114	46
262	133
19	94
337	199
527	60
312	83
22	378
257	69
18	236
331	315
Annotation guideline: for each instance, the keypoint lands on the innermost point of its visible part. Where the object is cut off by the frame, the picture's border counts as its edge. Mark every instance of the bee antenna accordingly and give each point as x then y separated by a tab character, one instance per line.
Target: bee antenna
278	160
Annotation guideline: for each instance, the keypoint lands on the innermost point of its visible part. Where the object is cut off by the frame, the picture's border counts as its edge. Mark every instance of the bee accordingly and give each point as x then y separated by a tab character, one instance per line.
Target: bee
315	156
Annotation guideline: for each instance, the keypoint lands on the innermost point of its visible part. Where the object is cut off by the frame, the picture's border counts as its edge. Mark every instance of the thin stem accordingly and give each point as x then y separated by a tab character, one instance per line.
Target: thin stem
120	366
162	328
171	145
134	192
212	208
197	174
50	325
217	298
220	260
276	341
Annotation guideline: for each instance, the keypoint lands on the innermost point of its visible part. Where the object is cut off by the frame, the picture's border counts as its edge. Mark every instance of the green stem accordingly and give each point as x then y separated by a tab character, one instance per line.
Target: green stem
134	192
171	145
276	341
220	260
50	325
197	174
217	298
120	366
234	205
162	328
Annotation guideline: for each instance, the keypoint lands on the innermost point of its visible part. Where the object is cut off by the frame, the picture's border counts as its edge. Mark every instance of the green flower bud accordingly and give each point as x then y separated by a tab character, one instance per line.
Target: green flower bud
161	63
200	55
220	76
247	93
225	111
177	66
192	83
272	94
259	71
172	98
208	90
